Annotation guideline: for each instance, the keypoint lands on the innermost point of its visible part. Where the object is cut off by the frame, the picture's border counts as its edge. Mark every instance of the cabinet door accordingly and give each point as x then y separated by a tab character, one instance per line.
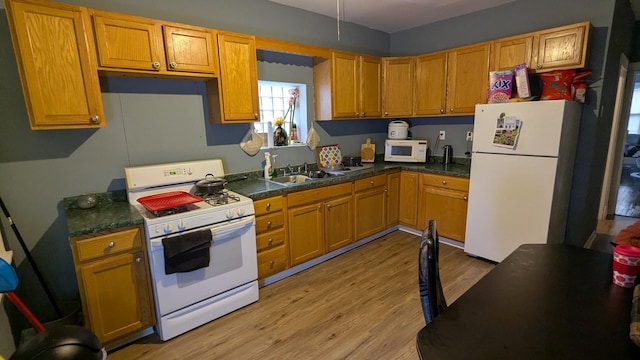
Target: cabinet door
397	85
431	84
306	232
190	49
370	212
239	77
409	187
449	209
509	52
57	65
117	295
338	224
561	48
393	199
345	85
467	78
128	42
371	86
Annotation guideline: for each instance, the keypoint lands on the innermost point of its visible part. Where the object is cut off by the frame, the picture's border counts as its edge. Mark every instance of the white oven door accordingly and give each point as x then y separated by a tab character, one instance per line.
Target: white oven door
232	263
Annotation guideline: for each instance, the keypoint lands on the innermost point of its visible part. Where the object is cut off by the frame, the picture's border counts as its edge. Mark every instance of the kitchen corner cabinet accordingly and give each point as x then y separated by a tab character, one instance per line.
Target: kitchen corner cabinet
348	87
113	278
370	199
467	78
234	97
57	64
409	189
444	199
319	220
393	199
271	236
397	86
431	84
558	48
136	44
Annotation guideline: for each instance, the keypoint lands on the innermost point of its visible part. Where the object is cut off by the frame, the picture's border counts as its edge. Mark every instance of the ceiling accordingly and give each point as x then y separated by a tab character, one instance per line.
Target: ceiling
393	15
396	15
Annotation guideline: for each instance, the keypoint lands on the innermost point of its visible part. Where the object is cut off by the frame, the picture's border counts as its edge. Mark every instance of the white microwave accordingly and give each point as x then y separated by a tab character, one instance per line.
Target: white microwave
405	150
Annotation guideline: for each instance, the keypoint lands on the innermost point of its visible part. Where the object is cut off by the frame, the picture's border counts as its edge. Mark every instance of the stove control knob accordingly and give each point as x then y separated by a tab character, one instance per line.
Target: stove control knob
240	211
168	228
230	214
182	225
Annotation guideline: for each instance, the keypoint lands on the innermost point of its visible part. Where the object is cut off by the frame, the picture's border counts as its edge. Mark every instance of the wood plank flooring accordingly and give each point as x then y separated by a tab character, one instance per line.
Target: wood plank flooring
363	304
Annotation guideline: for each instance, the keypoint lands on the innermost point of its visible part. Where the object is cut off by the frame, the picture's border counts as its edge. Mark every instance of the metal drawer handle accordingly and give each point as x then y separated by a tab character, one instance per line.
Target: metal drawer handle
269	223
111	245
156	65
138	259
268	205
271	263
444	182
94	119
372	183
270	242
465	198
173	65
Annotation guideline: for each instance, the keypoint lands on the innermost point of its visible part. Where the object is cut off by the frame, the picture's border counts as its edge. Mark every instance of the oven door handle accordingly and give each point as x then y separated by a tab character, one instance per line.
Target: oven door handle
217	232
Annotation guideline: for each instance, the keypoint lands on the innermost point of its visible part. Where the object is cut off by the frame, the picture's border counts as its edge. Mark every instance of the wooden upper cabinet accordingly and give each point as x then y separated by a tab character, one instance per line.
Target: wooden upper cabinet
238	77
467	78
561	48
57	64
397	84
345	84
128	42
190	49
509	52
431	84
371	86
136	44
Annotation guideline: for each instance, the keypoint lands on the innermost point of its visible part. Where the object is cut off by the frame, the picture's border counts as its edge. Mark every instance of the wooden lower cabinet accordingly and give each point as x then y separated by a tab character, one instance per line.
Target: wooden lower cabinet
444	199
318	220
393	199
113	279
370	206
271	236
409	190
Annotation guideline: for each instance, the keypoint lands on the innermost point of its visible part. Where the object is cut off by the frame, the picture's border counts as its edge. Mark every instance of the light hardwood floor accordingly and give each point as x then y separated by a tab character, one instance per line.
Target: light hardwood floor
363	304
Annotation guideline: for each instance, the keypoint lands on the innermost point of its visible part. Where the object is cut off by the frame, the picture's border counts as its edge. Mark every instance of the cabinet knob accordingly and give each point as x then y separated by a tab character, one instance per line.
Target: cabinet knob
441	111
372	183
539	66
111	245
138	259
386	113
444	182
465	198
268	205
319	207
270	241
271	263
451	109
357	114
255	116
156	65
269	223
173	65
328	207
94	119
364	114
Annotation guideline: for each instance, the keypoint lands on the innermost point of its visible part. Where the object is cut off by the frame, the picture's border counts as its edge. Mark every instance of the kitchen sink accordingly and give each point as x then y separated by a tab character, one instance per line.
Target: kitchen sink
291	179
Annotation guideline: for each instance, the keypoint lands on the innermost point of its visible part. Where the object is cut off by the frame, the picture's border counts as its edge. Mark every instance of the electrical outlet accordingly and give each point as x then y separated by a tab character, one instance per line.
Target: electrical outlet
441	136
469	135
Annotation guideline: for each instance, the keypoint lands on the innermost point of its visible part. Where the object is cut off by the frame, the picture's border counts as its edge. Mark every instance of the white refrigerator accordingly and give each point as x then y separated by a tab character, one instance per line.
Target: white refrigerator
519	193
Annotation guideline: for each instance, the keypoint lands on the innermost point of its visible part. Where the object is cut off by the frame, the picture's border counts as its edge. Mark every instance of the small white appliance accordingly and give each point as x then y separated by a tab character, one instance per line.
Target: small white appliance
398	130
520	194
405	150
186	300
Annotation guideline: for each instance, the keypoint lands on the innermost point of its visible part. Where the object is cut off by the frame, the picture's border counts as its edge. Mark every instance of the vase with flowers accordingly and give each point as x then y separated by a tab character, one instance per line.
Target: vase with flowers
279	134
294	93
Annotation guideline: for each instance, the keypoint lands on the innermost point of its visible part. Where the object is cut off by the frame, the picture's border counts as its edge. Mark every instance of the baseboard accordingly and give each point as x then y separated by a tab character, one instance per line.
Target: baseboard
590	240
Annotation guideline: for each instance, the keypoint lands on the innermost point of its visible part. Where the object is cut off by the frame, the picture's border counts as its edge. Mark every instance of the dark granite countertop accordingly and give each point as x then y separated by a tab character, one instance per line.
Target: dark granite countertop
113	210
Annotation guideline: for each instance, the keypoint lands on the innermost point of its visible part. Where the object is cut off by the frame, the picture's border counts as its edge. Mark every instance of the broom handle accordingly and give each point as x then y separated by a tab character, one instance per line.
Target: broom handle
25	311
30	258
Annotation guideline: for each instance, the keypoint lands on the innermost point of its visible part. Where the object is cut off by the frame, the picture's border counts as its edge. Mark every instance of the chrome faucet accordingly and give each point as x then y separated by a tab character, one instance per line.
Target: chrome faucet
302	169
290	168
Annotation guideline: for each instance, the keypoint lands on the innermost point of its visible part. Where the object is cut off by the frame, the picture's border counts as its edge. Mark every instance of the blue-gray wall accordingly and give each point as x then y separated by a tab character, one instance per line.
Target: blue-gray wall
39	168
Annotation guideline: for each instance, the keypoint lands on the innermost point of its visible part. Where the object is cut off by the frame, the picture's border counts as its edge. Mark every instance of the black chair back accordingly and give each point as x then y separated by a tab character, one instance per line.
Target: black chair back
431	294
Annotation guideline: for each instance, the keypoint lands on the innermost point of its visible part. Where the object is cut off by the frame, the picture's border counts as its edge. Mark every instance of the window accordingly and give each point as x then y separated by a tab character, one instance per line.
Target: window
275	98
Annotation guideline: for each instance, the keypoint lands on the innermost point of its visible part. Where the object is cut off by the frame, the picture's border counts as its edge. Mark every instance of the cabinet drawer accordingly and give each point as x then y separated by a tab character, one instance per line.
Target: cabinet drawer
318	194
269	222
370	182
448	182
270	240
266	206
272	261
104	245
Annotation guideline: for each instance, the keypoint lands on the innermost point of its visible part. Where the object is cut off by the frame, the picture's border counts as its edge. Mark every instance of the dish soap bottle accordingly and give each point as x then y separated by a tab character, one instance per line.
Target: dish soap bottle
268	168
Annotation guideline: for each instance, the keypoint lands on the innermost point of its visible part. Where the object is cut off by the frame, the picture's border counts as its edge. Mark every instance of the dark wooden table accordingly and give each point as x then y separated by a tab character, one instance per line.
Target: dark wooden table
541	302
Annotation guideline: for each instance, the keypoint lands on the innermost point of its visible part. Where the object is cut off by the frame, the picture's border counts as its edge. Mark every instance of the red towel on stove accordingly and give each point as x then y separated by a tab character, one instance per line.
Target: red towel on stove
188	252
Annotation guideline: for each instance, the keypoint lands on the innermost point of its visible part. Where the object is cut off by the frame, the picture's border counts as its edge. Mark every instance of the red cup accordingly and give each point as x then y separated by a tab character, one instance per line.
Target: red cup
626	264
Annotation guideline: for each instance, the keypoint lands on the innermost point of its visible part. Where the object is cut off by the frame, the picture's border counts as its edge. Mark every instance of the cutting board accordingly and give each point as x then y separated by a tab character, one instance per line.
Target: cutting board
368	152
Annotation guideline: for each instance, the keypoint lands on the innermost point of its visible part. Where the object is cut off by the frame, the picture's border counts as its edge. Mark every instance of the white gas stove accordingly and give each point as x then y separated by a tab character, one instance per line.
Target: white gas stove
185	300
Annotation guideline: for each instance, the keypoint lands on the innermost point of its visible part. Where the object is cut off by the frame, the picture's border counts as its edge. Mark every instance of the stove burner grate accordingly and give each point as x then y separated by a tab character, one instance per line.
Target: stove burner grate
221	197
